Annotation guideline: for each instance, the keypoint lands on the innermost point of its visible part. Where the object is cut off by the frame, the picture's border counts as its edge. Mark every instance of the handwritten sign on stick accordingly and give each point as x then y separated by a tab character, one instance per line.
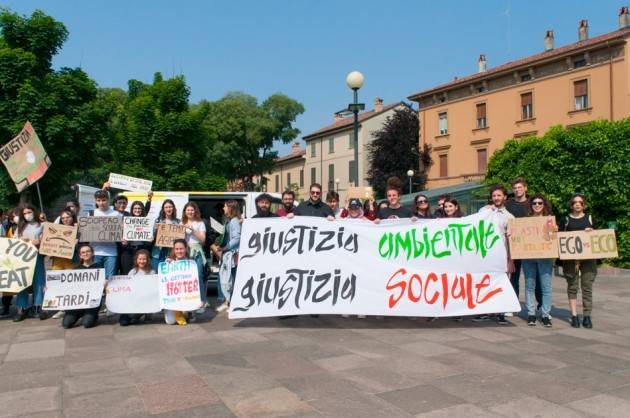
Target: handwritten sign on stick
532	237
582	245
17	264
134	184
100	228
168	233
136	228
58	240
25	158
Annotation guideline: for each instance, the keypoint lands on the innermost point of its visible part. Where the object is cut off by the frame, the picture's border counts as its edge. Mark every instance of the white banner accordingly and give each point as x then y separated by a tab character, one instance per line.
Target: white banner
73	289
136	228
306	265
133	294
134	184
179	286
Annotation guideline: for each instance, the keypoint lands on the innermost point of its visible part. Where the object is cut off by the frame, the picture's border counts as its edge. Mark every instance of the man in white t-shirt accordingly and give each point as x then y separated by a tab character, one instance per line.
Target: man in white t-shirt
498	195
105	253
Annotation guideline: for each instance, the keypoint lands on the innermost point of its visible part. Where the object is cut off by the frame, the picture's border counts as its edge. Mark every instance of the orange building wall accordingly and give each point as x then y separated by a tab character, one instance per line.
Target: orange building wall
553	104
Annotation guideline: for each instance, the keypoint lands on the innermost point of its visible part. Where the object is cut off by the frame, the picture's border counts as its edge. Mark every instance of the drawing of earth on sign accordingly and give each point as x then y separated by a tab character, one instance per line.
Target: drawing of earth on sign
30	157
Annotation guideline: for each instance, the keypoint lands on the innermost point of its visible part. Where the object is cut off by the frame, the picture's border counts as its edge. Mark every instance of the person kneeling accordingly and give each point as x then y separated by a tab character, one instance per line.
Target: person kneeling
90	316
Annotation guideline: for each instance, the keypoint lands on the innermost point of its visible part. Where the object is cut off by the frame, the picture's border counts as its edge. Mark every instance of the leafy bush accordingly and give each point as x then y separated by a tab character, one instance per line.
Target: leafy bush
593	159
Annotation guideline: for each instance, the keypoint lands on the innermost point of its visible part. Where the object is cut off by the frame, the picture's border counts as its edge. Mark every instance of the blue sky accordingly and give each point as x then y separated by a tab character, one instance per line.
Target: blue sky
305	48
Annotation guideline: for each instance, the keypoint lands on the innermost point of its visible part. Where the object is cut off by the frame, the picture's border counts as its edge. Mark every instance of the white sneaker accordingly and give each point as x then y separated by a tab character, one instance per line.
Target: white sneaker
223	307
58	315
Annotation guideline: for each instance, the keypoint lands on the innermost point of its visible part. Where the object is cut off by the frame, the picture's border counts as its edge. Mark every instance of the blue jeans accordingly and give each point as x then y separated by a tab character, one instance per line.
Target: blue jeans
202	280
39	282
109	263
544	268
159	255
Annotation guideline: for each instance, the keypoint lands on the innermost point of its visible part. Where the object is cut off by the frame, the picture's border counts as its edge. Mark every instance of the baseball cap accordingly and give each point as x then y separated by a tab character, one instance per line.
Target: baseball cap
355	203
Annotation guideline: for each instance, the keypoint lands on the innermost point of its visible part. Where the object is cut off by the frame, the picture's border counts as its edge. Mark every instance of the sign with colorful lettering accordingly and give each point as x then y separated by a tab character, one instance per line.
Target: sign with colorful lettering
133	184
73	289
25	158
136	228
533	237
133	294
168	233
58	240
17	264
587	245
307	265
100	228
179	286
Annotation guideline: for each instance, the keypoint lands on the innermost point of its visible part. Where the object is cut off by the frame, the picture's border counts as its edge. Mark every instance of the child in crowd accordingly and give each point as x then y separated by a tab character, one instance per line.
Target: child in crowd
141	267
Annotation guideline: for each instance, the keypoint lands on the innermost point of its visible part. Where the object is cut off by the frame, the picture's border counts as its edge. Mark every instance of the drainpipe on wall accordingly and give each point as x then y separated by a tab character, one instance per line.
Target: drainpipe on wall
610	79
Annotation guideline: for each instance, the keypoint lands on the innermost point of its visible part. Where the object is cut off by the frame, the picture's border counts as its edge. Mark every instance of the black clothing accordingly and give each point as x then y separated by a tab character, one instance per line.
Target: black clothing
421	216
439	213
267	215
391	213
518	209
90	316
578	224
319	209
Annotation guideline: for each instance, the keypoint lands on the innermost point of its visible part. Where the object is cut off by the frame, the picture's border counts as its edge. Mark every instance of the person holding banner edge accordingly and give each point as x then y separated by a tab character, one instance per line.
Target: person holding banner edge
30	230
229	252
541	268
90	316
314	205
582	271
195	237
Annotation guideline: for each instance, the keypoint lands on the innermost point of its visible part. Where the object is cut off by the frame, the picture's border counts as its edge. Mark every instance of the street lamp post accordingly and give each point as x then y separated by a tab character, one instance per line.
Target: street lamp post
337	184
410	174
354	80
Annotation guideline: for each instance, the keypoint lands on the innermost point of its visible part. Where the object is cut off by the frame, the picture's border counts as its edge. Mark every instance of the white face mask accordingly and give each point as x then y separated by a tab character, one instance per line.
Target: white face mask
16	219
29	217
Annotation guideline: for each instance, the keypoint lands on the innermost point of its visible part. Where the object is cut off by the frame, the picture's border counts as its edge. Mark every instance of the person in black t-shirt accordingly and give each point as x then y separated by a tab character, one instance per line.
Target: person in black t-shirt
395	210
263	207
314	205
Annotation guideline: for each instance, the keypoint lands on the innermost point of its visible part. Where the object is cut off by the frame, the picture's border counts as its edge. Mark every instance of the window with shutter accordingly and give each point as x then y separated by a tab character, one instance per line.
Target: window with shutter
527	109
482	160
313	175
481	115
580	91
301	178
443	123
443	165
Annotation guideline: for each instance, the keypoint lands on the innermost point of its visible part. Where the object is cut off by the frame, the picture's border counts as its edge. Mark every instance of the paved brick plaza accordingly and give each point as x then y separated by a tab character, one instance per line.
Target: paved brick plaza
329	366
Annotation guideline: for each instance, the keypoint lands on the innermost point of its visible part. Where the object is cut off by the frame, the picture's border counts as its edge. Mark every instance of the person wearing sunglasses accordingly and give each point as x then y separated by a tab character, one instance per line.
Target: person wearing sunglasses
314	205
579	273
539	267
422	208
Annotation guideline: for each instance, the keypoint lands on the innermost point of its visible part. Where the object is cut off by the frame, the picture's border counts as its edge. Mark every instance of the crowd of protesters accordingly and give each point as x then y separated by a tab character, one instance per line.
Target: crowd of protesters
137	258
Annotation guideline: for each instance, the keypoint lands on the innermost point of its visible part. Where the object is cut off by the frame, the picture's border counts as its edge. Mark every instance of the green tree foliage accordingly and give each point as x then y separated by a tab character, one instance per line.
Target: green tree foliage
60	104
400	133
241	133
590	159
154	135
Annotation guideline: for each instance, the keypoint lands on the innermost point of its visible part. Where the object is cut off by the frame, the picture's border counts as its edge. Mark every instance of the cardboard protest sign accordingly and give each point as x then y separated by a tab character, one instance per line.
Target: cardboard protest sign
58	240
136	228
532	237
25	158
217	226
133	294
168	233
133	184
179	286
582	245
73	289
17	264
100	228
85	195
360	193
397	268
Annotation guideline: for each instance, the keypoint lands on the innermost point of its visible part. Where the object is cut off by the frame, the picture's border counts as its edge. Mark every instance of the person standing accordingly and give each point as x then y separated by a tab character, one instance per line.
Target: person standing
580	273
332	200
394	210
229	251
195	237
288	203
129	248
168	215
11	223
519	207
540	267
314	205
105	253
29	229
498	197
66	218
439	212
422	208
90	316
263	207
